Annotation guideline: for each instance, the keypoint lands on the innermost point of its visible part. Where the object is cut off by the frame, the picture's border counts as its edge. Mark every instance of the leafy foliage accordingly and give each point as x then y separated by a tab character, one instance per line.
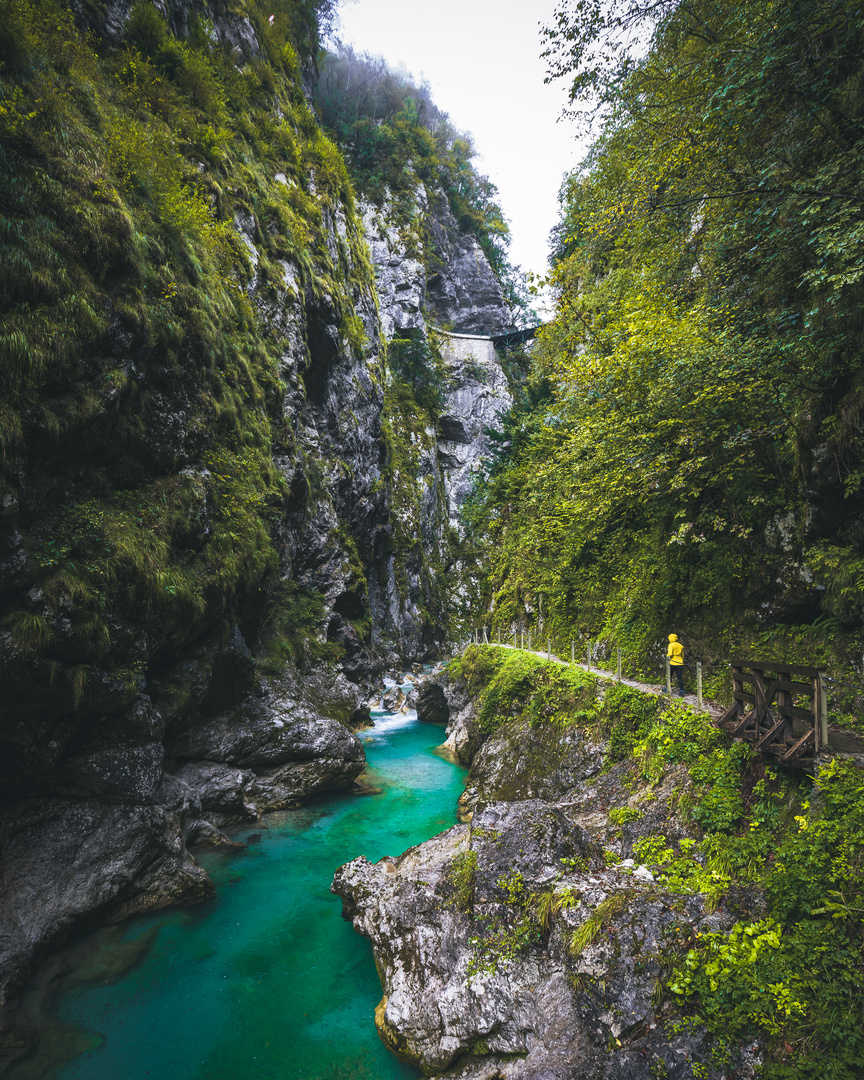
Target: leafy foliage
461	876
418	364
697	457
797	975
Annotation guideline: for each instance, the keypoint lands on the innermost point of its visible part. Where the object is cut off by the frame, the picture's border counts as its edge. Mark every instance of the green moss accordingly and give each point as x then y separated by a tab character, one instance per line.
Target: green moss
625	714
507	681
123	284
30	632
585	934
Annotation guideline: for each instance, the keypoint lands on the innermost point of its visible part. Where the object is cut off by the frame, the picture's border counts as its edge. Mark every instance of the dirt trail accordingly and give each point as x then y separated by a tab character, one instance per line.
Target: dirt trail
841	743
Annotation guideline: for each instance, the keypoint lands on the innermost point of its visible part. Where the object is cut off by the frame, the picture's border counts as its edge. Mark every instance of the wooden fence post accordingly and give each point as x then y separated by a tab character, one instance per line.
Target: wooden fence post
572	652
588	655
521	637
549	649
699	685
619	662
823	710
668	678
529	639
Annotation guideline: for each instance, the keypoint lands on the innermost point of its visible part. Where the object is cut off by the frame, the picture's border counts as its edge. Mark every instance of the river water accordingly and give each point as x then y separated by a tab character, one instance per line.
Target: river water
267	981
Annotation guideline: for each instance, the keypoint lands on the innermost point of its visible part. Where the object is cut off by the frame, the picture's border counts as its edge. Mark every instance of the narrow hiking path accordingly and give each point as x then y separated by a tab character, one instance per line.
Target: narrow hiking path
711	707
842	743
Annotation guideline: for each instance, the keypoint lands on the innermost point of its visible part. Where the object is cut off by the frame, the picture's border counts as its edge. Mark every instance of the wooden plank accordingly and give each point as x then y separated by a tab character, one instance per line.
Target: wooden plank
731	712
786	696
816	726
790	687
744	722
771	735
786	685
798	748
804	714
795	712
777	665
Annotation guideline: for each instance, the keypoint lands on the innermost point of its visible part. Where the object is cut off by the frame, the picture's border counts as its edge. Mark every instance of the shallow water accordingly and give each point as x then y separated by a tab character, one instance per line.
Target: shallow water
267	981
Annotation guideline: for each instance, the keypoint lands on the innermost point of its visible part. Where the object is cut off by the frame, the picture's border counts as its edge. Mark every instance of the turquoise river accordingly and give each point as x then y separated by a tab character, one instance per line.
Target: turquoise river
266	981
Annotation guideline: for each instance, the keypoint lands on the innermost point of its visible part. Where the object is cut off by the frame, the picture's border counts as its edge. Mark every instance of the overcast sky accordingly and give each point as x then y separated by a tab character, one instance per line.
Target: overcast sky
482	60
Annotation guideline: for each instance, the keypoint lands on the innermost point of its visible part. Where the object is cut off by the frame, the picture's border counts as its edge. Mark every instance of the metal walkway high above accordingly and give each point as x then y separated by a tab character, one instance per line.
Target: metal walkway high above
514	337
505	340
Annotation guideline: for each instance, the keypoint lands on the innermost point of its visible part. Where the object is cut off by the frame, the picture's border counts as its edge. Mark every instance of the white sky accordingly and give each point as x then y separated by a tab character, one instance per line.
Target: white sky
482	60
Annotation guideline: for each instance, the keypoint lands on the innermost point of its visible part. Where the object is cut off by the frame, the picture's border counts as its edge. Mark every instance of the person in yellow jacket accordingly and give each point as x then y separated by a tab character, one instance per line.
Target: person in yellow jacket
675	652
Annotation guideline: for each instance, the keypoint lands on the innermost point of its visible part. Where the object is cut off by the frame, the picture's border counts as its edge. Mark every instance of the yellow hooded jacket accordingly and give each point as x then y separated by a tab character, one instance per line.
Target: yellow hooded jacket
675	652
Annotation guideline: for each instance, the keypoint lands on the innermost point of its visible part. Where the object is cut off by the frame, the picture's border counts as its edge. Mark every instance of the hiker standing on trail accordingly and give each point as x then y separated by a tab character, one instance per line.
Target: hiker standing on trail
675	652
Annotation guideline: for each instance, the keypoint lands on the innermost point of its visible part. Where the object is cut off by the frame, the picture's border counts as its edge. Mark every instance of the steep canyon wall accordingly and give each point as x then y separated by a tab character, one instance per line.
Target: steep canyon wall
215	531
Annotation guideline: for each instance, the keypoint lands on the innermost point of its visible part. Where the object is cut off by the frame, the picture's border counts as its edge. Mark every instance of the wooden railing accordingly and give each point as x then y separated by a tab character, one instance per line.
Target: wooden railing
783	712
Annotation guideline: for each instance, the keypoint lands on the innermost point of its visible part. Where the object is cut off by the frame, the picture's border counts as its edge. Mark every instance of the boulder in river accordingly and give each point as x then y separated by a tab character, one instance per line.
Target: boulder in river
432	704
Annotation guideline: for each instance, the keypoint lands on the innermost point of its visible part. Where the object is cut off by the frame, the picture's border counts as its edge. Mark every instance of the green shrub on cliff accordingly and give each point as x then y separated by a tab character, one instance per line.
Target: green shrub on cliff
797	976
140	387
396	137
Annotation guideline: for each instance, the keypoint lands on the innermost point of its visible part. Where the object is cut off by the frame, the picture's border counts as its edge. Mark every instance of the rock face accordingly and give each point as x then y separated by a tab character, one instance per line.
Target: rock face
476	987
528	943
128	721
425	273
476	399
432	704
285	753
69	860
110	821
461	288
116	743
521	762
437	272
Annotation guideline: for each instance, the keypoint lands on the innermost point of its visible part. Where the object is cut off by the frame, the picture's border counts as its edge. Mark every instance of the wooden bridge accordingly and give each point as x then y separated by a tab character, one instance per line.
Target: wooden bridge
783	712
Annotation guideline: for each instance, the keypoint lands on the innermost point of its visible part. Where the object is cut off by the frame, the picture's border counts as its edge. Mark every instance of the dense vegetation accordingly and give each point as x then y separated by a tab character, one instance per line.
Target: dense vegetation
792	976
690	457
140	389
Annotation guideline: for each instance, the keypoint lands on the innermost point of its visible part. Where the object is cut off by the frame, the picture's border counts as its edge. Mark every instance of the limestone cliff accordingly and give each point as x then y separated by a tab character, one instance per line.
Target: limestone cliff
529	943
428	273
207	543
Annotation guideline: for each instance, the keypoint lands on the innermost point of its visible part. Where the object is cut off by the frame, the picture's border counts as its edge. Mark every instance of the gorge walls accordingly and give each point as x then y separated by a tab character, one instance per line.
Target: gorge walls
220	520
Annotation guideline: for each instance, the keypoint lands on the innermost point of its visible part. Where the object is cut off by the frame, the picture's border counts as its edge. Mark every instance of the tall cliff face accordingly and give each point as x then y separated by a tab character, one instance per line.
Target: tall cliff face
438	459
213	527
